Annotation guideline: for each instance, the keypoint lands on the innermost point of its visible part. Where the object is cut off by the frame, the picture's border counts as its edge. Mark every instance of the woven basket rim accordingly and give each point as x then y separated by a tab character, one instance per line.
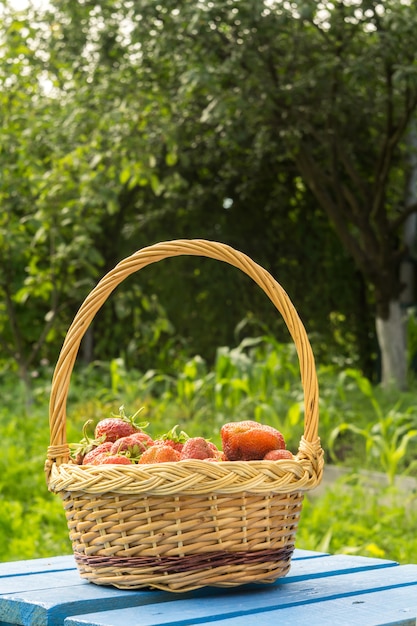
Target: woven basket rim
189	478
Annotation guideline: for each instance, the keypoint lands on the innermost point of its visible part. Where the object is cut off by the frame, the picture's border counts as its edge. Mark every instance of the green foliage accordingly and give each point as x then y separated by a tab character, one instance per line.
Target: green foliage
351	518
387	436
31	519
113	142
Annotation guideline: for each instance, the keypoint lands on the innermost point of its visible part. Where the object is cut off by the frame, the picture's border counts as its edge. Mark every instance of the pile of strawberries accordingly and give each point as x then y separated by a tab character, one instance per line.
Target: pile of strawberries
121	440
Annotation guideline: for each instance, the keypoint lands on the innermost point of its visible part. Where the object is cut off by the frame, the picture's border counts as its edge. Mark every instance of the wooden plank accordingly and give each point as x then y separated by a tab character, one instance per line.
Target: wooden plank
49	607
335	564
380	608
307	554
56	593
40	581
259	604
33	566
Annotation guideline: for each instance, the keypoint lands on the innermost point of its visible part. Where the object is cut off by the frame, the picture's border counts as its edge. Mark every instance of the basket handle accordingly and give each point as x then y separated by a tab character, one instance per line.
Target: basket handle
58	450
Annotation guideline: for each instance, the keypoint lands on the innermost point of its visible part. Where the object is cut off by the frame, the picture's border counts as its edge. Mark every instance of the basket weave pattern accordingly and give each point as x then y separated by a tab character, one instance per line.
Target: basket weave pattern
183	525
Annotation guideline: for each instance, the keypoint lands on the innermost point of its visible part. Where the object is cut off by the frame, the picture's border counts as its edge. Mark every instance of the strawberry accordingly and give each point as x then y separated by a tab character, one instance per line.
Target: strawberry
276	455
99	458
173	439
249	440
91	457
198	448
118	426
113	428
132	446
85	446
115	459
159	454
217	453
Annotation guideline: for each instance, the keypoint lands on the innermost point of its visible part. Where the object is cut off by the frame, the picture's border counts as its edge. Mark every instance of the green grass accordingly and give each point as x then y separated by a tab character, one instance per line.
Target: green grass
350	518
361	426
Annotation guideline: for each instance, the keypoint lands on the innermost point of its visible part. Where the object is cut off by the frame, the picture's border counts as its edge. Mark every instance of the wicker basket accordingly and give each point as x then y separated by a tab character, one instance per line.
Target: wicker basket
183	525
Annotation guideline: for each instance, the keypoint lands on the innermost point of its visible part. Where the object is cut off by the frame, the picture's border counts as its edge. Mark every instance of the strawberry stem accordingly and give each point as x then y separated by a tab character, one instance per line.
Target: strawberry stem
172	435
87	443
130	419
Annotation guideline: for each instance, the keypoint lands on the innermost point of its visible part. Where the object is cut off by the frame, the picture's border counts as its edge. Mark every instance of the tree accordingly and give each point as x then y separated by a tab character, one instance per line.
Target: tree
46	252
361	188
70	183
335	85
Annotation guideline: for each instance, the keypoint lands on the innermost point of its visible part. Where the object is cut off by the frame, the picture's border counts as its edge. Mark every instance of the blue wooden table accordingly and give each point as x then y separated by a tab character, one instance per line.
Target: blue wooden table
320	589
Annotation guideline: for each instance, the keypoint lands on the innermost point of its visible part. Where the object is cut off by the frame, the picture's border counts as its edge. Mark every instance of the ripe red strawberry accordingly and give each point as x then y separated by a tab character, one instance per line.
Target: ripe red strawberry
276	455
249	440
198	448
113	428
159	454
118	426
114	459
91	457
132	445
98	460
217	452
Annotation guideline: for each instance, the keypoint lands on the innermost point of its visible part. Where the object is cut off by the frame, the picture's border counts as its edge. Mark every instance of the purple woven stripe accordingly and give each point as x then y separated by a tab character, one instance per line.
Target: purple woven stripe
193	562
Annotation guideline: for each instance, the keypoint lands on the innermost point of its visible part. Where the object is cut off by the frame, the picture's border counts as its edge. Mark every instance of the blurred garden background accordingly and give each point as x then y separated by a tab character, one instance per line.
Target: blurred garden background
287	130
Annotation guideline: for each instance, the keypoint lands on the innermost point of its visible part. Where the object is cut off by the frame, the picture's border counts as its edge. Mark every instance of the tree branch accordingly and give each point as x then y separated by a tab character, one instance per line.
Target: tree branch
402	217
319	187
6	347
392	138
352	172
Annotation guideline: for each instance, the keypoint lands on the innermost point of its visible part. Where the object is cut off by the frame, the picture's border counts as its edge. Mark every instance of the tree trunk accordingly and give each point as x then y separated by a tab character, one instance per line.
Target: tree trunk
391	339
408	266
407	270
